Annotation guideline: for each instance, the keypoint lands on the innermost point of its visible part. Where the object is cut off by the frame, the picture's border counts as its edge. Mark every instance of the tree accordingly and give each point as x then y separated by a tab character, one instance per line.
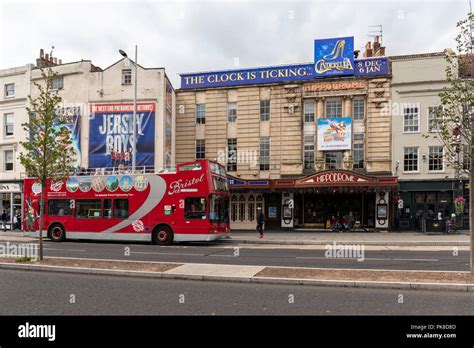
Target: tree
48	147
454	117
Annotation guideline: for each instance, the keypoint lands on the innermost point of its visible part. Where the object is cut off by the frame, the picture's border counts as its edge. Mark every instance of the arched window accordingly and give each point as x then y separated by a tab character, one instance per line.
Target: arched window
251	208
259	202
242	208
233	207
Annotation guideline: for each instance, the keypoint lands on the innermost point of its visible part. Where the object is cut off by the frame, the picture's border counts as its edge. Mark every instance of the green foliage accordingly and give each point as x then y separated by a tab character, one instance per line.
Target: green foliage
457	100
23	259
48	147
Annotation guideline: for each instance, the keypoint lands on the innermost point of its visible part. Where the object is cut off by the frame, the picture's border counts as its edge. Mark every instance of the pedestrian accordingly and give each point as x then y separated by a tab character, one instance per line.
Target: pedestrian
4	220
30	219
260	221
17	220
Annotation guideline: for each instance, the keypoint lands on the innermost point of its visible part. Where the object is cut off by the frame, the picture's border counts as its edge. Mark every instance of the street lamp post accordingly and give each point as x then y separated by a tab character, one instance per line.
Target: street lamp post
134	119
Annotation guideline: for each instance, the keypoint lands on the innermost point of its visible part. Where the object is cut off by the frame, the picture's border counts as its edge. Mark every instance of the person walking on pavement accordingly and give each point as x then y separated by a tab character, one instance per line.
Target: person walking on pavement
260	221
4	220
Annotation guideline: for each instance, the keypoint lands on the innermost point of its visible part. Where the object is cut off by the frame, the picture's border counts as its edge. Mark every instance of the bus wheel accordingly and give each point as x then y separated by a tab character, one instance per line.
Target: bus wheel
57	233
162	235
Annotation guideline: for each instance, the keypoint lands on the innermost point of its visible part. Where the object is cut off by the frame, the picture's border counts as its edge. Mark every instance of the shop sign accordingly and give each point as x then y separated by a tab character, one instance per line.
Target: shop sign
235	181
334	86
334	133
335	177
10	187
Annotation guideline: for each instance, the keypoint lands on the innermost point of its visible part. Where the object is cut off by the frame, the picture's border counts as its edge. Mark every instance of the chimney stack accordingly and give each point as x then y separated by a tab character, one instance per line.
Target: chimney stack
376	51
45	60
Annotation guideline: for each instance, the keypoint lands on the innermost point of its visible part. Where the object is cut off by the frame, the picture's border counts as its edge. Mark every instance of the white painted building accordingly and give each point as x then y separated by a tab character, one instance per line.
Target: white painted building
15	88
427	182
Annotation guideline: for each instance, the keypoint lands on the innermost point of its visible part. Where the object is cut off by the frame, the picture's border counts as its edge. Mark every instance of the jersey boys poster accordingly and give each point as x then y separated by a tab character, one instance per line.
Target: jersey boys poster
111	135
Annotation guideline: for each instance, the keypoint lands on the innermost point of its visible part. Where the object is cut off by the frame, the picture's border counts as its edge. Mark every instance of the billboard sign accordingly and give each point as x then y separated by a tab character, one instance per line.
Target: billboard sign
334	133
111	135
334	57
71	121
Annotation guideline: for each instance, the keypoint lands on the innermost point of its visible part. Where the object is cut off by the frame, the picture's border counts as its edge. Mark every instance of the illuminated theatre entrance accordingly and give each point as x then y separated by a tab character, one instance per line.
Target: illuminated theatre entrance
360	200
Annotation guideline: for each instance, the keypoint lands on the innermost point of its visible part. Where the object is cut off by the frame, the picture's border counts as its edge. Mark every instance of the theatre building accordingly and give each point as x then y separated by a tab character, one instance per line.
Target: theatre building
305	142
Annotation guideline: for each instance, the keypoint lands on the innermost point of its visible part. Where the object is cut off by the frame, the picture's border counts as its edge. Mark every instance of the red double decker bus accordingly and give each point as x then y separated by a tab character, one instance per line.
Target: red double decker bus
189	204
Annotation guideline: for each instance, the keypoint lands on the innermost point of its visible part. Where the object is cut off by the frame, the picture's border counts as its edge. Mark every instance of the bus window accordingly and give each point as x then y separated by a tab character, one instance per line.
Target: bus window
107	208
88	208
121	208
219	208
59	207
195	208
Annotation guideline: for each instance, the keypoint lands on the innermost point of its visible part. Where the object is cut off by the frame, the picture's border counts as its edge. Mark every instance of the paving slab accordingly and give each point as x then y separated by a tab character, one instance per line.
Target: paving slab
216	270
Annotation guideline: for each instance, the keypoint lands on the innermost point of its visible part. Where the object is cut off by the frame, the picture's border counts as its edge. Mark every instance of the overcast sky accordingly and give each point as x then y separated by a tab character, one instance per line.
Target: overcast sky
207	35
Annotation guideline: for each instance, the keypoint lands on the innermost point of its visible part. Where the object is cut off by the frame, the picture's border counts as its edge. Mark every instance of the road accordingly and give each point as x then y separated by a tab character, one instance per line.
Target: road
114	295
301	256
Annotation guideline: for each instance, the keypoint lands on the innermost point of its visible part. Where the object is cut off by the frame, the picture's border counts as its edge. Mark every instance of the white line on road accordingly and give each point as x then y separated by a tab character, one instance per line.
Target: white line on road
365	258
64	249
175	254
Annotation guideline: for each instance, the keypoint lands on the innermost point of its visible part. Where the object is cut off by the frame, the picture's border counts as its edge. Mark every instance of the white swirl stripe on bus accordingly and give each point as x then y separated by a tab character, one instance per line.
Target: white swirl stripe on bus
157	191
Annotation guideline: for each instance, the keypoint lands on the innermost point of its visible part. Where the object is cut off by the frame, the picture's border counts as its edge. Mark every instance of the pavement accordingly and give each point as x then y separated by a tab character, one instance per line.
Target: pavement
368	238
322	238
122	295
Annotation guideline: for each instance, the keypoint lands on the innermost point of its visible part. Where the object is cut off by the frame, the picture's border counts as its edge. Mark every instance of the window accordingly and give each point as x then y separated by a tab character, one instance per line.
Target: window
219	208
58	82
411	120
309	152
308	111
231	155
8	125
264	153
232	112
59	207
264	110
359	109
333	160
334	108
242	208
200	113
8	160
434	118
200	149
233	208
435	158
107	209
358	151
9	90
195	208
121	208
466	157
410	159
127	76
88	208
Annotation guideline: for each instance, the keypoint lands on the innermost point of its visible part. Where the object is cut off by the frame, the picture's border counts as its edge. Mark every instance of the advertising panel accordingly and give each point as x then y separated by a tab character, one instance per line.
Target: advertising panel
71	121
334	133
111	135
334	57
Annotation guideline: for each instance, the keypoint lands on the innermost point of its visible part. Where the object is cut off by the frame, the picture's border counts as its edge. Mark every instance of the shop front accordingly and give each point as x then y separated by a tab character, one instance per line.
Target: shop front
10	201
419	202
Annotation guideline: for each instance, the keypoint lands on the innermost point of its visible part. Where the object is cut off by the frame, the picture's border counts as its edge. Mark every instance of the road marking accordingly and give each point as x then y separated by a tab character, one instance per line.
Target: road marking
64	249
365	258
153	253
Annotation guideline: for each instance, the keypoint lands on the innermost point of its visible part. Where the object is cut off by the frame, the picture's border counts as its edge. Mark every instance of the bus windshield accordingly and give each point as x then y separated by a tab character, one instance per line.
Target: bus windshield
219	208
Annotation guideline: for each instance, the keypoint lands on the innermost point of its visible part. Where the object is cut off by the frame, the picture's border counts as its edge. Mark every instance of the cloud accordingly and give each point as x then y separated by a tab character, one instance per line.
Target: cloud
209	35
